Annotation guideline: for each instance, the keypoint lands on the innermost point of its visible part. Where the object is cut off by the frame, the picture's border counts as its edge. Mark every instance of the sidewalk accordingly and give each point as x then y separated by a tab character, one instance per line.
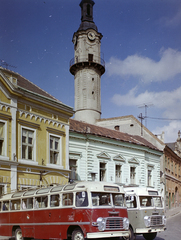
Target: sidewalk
172	212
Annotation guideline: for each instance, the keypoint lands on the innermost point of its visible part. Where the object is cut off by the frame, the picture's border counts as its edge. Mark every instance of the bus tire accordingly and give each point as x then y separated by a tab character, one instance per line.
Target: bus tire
18	234
131	234
149	236
77	234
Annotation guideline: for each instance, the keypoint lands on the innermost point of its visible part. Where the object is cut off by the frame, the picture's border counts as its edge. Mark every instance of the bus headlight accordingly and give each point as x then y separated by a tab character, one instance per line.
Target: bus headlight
147	221
126	223
164	220
101	223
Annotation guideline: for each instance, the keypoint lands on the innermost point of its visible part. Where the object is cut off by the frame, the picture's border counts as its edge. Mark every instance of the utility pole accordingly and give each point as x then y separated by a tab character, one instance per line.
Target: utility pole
142	118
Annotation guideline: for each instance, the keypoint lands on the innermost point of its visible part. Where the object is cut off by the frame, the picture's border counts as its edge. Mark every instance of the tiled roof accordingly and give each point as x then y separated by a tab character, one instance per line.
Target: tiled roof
171	146
136	120
26	84
86	128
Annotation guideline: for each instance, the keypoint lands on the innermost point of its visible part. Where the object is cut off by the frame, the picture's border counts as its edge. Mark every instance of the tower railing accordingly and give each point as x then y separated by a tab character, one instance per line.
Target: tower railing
95	59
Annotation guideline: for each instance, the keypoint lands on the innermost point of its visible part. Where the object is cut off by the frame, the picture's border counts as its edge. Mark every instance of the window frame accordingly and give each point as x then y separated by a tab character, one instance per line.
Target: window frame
118	179
33	160
103	171
4	148
133	179
73	169
59	162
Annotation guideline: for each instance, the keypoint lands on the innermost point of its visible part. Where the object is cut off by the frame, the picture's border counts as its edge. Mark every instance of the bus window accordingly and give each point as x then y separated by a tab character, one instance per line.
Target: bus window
67	199
27	203
5	205
81	199
54	200
15	204
131	202
118	200
157	201
100	199
0	206
146	201
41	202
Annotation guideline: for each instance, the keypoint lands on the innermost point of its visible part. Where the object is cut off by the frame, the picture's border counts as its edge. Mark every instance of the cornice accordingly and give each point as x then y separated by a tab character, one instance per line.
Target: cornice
41	118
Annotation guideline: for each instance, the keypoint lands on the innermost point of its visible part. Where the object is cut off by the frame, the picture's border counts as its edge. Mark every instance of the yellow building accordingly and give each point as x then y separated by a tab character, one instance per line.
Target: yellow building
34	135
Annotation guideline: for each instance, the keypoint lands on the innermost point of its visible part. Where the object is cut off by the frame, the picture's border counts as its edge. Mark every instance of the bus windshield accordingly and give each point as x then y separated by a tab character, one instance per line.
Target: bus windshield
157	201
150	201
104	199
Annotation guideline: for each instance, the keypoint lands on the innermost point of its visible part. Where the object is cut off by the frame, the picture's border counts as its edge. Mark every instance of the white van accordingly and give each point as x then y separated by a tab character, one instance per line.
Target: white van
145	212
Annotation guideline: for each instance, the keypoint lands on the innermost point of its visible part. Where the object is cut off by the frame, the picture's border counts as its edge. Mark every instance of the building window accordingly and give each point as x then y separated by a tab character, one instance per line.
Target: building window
168	166
165	162
73	168
2	190
118	173
172	166
90	57
175	169
2	138
149	177
27	144
102	171
132	175
54	149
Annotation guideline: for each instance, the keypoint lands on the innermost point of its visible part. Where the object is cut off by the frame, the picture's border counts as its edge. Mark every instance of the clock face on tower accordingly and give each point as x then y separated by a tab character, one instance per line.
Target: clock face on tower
91	35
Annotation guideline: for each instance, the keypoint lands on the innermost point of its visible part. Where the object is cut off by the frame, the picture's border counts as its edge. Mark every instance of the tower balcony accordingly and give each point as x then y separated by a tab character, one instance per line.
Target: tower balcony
84	61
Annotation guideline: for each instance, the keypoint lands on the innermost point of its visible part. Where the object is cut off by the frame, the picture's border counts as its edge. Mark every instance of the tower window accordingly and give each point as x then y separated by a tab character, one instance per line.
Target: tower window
90	57
92	79
88	9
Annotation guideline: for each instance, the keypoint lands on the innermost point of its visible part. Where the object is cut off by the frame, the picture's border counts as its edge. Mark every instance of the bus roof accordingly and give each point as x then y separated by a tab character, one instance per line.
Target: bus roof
76	186
141	190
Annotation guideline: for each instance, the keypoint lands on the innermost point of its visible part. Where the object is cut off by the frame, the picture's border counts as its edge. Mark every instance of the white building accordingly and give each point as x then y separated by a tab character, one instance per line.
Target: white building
101	154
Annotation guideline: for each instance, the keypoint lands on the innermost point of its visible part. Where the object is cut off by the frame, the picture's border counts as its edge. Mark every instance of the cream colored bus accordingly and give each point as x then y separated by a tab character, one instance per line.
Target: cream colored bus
145	212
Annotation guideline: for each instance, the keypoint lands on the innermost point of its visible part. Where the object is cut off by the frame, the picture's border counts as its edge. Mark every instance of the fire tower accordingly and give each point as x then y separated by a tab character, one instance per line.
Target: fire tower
87	66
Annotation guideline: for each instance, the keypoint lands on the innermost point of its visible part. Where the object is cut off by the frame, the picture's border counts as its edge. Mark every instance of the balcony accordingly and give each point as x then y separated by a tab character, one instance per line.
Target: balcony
89	60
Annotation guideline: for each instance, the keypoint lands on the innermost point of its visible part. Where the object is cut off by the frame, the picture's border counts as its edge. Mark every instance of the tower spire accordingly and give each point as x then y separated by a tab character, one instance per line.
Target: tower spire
87	15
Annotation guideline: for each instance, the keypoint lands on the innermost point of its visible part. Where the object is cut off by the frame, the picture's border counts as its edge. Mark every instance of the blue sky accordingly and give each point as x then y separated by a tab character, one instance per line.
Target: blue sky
141	46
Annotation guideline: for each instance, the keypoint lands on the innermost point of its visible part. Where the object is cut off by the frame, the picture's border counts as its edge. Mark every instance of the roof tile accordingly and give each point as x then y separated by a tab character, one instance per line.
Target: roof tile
86	128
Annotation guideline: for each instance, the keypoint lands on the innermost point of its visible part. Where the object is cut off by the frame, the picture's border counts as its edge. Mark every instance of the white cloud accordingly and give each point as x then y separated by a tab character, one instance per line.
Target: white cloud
168	102
171	131
146	69
172	22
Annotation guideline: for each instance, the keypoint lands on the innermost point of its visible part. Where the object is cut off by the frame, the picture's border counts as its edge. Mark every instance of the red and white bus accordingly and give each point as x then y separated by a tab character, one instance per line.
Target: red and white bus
78	210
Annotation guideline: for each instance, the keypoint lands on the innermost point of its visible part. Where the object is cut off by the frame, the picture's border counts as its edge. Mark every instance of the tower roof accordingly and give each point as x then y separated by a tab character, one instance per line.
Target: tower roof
87	15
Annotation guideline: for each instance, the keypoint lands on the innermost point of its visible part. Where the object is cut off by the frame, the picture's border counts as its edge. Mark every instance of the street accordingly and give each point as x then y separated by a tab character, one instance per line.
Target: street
173	231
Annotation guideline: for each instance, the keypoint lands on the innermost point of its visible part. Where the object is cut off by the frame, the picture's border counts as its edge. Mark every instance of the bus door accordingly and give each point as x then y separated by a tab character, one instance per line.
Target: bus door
27	217
5	218
42	216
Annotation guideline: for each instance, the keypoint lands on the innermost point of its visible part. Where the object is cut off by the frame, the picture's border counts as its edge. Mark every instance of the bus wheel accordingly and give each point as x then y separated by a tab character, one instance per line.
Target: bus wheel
131	234
77	234
18	234
149	236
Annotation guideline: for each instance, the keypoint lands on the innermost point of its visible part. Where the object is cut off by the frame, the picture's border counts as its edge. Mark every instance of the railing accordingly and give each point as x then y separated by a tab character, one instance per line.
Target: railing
95	59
